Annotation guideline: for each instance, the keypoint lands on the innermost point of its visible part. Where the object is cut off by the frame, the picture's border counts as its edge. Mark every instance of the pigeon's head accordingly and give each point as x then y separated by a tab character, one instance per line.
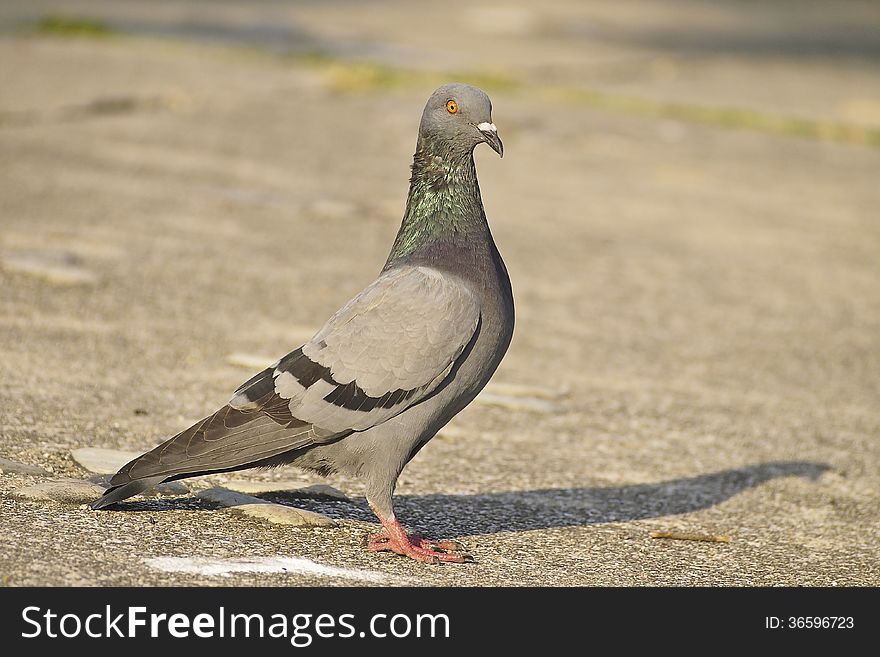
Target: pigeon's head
458	117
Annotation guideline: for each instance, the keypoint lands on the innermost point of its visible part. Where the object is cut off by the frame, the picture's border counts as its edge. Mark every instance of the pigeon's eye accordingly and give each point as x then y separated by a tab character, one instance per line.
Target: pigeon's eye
451	106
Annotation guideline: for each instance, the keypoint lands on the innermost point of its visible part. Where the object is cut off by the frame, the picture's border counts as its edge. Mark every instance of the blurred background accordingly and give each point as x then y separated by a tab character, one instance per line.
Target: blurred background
688	207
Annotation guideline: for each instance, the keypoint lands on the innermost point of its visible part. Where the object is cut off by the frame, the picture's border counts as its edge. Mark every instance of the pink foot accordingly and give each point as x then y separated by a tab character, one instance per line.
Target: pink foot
395	539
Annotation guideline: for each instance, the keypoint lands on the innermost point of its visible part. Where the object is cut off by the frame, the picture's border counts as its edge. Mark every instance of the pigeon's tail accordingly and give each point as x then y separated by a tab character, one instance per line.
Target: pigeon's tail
230	439
118	493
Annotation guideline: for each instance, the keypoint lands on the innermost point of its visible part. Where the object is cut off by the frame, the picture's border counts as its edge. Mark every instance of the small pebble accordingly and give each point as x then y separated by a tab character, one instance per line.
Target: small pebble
517	403
290	487
254	507
54	267
69	491
21	468
101	460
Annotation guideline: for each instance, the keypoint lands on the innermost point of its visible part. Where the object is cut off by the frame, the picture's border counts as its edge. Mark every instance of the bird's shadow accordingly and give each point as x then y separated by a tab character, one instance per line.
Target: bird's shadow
547	508
453	516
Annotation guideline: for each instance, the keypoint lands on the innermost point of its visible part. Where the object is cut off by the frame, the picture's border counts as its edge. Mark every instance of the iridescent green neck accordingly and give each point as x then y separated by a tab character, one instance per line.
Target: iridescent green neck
443	205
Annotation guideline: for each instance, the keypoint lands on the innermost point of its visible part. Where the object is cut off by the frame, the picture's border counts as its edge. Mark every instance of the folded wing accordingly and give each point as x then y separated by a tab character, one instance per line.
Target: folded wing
387	349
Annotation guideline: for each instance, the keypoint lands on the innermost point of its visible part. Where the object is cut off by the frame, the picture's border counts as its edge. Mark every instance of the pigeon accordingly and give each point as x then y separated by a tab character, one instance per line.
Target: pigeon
393	365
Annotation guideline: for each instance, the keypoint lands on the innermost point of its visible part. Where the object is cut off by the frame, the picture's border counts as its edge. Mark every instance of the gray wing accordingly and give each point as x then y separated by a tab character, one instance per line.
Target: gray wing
385	350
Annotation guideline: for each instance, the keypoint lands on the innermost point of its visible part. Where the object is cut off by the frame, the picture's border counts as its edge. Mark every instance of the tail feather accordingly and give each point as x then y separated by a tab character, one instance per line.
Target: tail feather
230	439
116	494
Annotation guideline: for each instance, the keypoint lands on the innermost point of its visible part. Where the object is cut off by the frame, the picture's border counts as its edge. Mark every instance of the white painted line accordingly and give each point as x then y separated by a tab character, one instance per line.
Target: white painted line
225	567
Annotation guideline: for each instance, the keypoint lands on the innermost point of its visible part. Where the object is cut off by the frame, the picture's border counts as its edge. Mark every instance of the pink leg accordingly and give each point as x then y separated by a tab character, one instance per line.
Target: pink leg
395	539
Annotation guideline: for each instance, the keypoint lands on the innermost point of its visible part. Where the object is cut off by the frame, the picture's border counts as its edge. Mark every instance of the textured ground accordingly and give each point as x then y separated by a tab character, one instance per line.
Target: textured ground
698	337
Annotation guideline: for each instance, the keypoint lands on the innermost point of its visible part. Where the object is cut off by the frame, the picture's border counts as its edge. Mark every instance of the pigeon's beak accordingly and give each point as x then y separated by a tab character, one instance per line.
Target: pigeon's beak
490	136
